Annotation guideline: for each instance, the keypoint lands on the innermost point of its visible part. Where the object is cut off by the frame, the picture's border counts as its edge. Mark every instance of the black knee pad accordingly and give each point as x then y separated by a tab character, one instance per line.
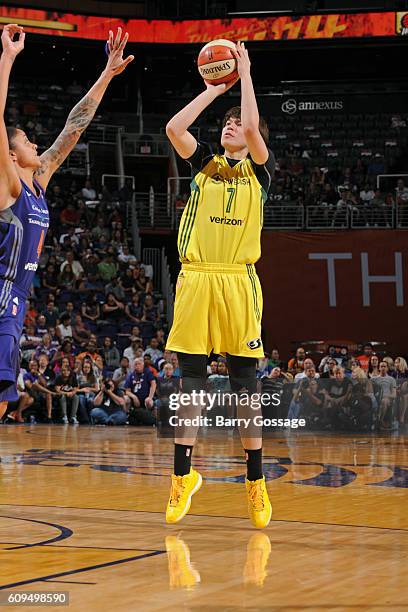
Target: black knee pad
193	369
242	374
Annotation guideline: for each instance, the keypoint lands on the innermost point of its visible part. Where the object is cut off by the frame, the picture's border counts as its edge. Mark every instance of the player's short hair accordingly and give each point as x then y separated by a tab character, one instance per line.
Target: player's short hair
235	113
11	134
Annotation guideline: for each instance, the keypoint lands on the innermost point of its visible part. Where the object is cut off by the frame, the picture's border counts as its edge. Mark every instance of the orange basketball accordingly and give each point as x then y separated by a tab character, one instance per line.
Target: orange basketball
216	62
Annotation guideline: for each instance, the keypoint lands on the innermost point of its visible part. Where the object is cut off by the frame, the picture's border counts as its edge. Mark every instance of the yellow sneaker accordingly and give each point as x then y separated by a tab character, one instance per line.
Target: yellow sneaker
182	490
259	506
258	551
181	571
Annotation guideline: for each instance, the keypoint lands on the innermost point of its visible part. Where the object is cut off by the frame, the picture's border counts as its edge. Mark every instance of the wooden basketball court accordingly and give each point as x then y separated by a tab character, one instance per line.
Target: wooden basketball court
82	510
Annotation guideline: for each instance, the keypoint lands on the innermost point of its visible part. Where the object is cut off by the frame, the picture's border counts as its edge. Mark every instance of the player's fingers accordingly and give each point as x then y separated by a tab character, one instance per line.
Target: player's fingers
22	37
110	40
124	41
118	37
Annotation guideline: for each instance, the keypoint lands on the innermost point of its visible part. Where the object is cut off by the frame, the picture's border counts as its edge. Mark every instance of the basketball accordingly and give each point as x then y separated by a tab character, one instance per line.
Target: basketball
216	62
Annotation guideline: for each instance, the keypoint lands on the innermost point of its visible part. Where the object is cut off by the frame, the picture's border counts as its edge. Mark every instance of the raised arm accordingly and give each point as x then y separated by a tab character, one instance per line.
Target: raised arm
82	114
177	128
249	108
10	185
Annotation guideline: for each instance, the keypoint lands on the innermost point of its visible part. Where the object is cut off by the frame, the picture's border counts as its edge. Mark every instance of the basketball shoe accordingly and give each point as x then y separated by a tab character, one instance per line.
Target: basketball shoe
259	506
181	571
181	492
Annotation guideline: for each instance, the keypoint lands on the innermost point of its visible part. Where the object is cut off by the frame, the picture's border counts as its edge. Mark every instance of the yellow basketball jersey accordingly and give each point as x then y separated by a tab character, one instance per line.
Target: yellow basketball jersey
223	218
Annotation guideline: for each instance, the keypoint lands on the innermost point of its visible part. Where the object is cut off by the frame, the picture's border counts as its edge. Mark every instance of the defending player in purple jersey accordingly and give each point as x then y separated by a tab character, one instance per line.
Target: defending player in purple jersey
24	218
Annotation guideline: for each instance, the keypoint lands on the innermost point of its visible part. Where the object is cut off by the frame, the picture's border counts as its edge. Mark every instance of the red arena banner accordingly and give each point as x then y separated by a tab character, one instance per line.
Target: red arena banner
308	27
336	285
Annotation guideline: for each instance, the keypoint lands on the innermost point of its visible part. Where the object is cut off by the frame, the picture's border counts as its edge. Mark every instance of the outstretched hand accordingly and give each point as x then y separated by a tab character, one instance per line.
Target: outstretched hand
116	64
12	47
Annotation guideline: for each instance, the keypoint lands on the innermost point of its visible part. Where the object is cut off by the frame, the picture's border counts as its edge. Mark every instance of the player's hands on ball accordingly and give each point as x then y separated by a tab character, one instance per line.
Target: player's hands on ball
11	47
218	90
243	61
116	46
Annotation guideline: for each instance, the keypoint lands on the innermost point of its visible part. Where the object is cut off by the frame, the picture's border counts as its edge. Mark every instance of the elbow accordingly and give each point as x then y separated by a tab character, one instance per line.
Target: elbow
170	129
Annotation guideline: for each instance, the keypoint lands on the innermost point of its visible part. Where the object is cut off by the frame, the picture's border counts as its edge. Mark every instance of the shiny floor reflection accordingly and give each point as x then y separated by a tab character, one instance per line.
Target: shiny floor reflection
83	510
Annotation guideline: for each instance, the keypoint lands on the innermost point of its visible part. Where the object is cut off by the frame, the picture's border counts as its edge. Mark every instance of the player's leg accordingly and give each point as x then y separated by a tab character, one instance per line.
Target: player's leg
242	373
186	481
9	369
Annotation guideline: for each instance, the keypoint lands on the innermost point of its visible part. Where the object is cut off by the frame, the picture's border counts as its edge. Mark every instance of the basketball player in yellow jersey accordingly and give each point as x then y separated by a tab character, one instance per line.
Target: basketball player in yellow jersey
218	298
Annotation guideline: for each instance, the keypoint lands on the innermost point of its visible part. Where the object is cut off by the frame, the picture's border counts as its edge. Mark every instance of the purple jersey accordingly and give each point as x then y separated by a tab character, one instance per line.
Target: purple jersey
23	227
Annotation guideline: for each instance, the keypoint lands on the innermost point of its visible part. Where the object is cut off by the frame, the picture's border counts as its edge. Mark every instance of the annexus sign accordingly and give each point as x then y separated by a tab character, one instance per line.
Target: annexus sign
292	106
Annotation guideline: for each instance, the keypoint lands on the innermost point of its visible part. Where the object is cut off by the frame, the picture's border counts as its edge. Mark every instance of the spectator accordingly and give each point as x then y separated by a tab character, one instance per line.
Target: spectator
80	332
219	382
275	360
110	354
31	313
51	315
140	387
302	384
69	215
64	329
65	352
29	342
166	386
109	406
388	387
100	230
147	360
331	352
113	309
107	269
36	387
90	310
66	385
401	378
87	389
312	402
307	364
76	267
24	401
295	365
373	367
330	365
150	311
67	279
121	373
115	287
274	382
338	392
126	257
91	350
88	192
175	364
153	350
49	279
364	359
130	351
391	365
46	371
45	348
134	310
127	283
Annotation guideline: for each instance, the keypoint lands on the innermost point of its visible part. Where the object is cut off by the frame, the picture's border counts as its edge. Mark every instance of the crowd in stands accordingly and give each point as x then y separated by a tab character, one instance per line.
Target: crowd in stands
93	344
362	392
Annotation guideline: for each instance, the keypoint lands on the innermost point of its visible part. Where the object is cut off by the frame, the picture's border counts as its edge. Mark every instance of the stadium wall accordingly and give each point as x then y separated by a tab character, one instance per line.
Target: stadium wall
343	285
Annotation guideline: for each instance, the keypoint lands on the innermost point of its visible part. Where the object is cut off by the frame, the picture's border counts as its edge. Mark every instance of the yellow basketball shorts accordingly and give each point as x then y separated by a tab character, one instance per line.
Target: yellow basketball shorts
218	307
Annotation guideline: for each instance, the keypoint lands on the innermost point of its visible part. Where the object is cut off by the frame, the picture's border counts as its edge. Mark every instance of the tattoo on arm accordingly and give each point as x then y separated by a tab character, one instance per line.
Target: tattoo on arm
78	120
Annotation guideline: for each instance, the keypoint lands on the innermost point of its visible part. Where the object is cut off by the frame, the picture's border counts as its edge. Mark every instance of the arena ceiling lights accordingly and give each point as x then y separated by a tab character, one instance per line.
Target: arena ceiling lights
270	28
